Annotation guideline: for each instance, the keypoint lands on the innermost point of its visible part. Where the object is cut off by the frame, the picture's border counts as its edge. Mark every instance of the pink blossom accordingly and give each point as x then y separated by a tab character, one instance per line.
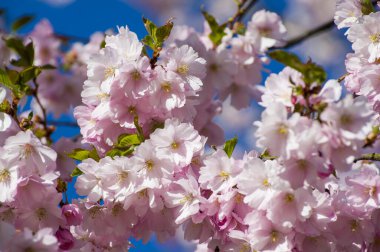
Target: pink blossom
186	63
65	239
365	37
270	28
27	148
177	142
186	196
72	214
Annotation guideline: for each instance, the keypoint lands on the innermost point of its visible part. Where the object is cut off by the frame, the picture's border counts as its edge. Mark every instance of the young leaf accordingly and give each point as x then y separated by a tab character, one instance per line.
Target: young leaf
156	35
126	140
82	154
367	7
22	21
26	53
76	172
311	71
229	146
217	31
5	80
30	73
10	78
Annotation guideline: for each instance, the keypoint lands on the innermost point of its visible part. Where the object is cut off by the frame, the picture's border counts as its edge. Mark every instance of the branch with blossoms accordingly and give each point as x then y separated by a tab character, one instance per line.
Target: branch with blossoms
151	158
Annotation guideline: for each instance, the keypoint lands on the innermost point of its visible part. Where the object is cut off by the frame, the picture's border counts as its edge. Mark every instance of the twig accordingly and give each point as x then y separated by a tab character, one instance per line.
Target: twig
369	157
341	78
66	37
240	13
299	39
48	130
64	124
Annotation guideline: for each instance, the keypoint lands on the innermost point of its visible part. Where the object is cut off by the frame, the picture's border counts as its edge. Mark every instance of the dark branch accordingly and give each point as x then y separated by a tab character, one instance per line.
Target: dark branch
369	157
297	40
64	124
243	8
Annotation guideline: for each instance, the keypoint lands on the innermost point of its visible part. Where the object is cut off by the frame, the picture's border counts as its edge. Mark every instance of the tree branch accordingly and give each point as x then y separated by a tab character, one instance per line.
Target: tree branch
299	39
243	9
369	157
64	124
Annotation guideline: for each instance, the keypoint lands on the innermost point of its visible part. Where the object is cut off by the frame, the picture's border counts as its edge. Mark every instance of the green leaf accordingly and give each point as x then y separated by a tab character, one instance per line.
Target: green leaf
156	35
120	152
367	7
26	53
82	154
22	21
163	32
126	140
29	73
311	71
5	80
103	44
148	41
217	31
47	67
266	155
150	27
76	172
229	146
10	79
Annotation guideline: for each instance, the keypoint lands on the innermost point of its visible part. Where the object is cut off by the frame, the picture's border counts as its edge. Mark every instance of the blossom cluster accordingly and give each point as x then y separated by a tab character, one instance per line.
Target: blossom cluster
152	160
364	34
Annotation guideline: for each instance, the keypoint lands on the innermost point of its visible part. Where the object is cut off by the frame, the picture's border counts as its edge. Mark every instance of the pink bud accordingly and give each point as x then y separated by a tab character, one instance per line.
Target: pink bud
65	239
72	214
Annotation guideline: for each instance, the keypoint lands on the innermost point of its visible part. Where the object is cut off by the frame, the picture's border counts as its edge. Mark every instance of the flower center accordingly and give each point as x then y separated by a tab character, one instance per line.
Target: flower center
266	183
224	175
283	129
371	191
143	193
109	72
345	119
41	213
302	164
354	225
289	198
375	38
214	67
27	150
187	198
102	96
183	69
94	211
274	236
265	31
135	75
123	175
117	209
174	145
149	165
5	175
132	110
166	87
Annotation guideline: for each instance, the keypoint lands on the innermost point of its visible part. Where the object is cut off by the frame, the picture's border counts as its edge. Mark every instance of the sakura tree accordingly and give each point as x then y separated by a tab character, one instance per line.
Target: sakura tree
150	158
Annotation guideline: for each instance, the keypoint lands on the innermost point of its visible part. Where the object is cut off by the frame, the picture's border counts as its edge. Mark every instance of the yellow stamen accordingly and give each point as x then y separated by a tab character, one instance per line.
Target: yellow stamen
109	72
183	69
166	87
149	165
224	175
5	175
